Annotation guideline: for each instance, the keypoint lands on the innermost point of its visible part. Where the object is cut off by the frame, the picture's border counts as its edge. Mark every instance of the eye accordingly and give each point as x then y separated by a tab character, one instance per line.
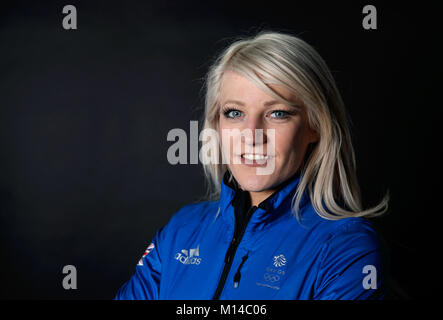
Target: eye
232	113
279	114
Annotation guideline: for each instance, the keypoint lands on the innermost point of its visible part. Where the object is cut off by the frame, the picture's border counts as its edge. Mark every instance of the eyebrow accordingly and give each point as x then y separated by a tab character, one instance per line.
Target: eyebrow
266	104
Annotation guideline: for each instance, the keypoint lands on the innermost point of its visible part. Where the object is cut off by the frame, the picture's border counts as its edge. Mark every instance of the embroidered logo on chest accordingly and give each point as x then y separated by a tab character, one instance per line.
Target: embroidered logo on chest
191	256
274	273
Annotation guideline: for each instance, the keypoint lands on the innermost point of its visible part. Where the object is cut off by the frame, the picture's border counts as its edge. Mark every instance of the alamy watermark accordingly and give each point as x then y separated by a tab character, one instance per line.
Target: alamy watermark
70	280
370	280
234	146
69	21
369	21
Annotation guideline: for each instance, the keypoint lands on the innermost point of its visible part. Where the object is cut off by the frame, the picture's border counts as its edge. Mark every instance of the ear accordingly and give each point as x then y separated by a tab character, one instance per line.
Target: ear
313	135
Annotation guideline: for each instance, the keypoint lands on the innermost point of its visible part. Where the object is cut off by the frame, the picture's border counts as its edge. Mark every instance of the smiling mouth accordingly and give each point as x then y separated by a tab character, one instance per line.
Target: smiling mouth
255	160
251	156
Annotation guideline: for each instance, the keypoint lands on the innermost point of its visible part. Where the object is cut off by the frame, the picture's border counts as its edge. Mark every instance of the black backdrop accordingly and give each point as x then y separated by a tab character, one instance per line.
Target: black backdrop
84	114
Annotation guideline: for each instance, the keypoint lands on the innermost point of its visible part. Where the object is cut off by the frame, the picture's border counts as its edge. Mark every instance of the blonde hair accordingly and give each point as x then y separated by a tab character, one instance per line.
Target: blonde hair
329	169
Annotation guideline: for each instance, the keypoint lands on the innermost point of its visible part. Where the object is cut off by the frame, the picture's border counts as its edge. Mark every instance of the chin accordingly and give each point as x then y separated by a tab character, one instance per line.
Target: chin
254	183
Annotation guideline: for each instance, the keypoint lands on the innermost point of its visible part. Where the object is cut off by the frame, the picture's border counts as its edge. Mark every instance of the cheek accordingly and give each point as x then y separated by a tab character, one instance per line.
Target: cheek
289	143
222	128
229	139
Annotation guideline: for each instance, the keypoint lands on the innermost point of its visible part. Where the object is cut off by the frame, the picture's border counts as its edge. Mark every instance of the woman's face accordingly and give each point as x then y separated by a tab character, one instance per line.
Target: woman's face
285	137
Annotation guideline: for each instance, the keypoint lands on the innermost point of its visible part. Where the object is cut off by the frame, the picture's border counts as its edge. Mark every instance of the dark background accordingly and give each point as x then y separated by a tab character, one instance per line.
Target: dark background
84	115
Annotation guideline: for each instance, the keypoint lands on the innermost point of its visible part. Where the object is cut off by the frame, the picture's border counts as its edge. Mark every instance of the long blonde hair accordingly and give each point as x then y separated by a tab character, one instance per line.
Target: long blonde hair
329	169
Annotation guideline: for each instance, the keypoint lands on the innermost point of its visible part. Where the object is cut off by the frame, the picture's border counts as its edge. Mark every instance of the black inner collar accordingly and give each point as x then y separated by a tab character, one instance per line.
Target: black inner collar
242	200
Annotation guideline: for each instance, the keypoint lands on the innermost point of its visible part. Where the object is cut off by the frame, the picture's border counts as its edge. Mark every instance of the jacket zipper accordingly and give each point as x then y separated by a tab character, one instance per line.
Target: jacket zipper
237	275
230	254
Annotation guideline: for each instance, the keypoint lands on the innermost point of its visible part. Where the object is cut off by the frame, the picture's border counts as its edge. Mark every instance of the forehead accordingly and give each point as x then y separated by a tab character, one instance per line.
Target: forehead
237	87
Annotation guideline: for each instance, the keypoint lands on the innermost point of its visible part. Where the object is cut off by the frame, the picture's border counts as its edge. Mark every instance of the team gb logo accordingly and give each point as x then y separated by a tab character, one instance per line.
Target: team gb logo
279	260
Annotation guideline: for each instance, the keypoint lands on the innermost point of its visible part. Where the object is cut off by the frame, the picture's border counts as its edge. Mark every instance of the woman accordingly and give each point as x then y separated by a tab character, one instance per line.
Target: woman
295	229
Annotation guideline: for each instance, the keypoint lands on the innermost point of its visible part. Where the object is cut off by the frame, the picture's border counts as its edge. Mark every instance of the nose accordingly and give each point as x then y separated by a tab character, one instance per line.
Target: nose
254	132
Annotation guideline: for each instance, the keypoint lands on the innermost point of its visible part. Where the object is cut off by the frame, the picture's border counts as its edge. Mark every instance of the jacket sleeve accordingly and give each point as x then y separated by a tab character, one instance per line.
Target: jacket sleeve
351	266
145	282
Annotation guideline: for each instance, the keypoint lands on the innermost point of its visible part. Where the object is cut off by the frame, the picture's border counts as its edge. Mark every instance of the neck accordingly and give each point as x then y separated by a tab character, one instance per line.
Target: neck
258	197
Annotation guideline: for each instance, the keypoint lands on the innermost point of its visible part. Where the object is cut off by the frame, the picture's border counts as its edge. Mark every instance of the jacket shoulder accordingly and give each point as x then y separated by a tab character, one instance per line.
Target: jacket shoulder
194	213
356	234
352	226
333	230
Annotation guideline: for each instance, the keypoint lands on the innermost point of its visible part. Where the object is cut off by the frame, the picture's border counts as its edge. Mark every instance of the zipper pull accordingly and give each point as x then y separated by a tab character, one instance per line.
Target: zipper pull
237	275
237	280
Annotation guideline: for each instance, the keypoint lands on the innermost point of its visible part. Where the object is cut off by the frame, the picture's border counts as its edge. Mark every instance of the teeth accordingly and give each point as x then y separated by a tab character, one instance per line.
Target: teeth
255	156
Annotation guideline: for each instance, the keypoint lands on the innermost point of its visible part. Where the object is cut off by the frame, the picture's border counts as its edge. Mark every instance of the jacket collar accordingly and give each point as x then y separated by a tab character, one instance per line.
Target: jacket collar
276	204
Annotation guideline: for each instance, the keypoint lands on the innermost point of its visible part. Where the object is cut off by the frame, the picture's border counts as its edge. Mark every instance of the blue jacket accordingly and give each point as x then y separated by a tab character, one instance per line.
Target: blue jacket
200	254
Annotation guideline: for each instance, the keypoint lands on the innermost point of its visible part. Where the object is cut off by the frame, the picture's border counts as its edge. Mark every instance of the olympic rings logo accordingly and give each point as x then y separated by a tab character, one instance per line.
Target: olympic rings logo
271	277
